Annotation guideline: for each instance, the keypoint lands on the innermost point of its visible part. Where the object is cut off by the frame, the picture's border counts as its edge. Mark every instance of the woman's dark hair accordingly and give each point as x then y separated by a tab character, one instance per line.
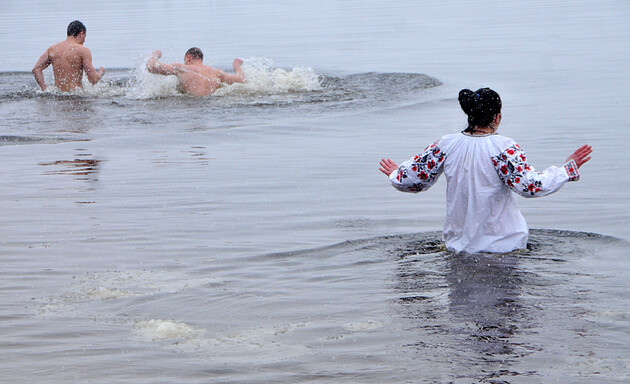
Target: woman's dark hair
76	27
481	106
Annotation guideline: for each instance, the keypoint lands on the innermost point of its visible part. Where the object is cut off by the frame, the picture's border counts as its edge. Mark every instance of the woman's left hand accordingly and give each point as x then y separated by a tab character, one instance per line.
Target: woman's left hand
387	166
581	155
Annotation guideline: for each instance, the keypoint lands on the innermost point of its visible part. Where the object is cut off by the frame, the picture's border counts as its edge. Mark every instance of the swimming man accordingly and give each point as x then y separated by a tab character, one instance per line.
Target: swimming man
69	59
194	77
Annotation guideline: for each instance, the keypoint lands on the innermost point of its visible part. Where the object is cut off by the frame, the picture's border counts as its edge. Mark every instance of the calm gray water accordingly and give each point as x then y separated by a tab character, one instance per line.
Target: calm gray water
248	237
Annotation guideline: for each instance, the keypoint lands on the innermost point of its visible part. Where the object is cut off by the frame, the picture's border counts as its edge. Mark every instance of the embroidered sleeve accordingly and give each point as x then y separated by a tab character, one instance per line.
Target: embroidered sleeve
514	170
420	172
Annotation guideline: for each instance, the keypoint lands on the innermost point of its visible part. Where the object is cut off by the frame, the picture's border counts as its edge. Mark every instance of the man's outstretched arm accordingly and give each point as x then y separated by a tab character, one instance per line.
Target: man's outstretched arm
154	66
38	70
239	76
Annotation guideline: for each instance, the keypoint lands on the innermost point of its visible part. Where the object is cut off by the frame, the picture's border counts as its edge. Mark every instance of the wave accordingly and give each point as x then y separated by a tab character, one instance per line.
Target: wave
266	85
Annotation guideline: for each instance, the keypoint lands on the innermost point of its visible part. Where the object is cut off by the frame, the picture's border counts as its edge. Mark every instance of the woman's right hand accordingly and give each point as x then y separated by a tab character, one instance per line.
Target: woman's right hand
387	166
581	155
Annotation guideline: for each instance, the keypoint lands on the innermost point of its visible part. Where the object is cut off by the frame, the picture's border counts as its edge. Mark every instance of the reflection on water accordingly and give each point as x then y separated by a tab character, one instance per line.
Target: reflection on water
77	167
465	308
476	315
485	311
83	168
196	154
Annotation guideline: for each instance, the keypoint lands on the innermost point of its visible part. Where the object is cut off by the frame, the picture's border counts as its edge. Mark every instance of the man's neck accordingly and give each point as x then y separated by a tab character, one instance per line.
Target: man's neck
74	40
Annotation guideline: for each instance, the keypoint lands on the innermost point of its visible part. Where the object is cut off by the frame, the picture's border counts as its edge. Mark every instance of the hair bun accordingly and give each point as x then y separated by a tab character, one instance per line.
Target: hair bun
481	106
467	100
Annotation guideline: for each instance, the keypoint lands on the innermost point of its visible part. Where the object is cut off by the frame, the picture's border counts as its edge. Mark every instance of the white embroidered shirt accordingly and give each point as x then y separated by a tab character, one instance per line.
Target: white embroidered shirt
481	174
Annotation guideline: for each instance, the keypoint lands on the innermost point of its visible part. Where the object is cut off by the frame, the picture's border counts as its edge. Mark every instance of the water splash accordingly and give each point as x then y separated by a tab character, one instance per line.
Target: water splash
262	79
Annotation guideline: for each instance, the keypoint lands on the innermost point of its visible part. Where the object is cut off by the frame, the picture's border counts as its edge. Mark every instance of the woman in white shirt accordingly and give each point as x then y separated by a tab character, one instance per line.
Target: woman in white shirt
482	170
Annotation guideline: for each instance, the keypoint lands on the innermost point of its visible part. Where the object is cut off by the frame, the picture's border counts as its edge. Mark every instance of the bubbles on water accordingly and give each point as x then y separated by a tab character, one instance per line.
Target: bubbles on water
104	293
115	285
165	330
367	325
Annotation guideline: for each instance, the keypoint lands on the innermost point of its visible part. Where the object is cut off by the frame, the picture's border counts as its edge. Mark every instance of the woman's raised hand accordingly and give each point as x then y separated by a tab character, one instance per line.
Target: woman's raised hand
581	155
387	166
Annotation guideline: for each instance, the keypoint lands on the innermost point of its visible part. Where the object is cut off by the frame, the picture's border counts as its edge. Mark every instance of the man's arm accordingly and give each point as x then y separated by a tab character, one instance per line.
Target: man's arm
92	74
154	66
239	77
38	70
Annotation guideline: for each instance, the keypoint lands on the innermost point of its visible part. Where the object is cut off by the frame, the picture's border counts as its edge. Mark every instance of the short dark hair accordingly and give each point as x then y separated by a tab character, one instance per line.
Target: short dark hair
481	106
195	53
75	28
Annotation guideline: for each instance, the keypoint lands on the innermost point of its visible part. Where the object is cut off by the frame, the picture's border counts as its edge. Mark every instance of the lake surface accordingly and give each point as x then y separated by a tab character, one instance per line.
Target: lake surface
247	237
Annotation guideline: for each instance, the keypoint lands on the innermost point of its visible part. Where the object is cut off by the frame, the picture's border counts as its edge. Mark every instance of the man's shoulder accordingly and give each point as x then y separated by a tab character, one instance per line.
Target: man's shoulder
67	46
56	46
82	49
203	69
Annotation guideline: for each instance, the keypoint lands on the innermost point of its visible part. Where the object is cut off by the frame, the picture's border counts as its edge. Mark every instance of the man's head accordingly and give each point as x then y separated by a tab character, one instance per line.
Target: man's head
192	54
75	28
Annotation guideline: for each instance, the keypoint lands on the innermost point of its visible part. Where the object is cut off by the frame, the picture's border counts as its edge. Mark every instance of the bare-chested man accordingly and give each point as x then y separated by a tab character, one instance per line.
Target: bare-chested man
69	59
194	77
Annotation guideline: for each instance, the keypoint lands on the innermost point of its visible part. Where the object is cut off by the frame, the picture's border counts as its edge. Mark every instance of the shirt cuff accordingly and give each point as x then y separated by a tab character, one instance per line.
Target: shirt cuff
572	170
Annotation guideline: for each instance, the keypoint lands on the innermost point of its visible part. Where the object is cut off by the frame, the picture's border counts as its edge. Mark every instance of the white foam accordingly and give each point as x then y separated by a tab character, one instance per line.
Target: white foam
104	293
364	325
263	78
256	337
165	330
116	285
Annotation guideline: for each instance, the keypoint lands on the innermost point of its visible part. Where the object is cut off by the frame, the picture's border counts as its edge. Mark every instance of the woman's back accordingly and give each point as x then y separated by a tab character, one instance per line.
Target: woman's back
482	170
481	212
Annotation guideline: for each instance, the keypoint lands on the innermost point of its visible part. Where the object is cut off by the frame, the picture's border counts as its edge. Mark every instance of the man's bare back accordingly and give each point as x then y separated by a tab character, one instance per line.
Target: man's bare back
195	77
69	59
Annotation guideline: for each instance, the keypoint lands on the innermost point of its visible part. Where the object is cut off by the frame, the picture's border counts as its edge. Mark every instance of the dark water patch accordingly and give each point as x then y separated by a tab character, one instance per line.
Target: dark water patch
21	140
12	140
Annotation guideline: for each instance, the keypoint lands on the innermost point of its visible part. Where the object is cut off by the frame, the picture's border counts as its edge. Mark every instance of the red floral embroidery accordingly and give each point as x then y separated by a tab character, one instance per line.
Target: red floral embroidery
513	169
426	169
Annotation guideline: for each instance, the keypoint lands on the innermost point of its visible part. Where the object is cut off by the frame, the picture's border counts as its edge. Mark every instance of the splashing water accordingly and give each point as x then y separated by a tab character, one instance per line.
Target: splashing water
262	79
